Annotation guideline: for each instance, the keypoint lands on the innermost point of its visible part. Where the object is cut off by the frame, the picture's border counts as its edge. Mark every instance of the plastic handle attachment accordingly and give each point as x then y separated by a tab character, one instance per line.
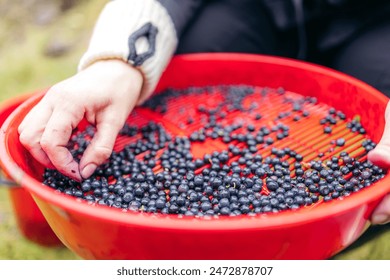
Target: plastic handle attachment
4	182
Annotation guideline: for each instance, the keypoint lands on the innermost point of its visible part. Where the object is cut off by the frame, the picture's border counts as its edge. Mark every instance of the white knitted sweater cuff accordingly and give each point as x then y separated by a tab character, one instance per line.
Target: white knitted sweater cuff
139	32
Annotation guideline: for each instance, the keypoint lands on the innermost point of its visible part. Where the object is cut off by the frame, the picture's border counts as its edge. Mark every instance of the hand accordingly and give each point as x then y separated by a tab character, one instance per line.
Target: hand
381	157
104	93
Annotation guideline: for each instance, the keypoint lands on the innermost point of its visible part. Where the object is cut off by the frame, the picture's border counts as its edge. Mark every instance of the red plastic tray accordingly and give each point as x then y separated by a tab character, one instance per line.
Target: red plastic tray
308	233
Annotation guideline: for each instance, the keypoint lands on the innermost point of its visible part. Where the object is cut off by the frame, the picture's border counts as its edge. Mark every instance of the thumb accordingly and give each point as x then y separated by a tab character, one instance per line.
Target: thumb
100	148
381	214
381	154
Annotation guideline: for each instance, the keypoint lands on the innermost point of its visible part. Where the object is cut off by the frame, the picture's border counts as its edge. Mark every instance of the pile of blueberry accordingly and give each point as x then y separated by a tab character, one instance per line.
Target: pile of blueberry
251	171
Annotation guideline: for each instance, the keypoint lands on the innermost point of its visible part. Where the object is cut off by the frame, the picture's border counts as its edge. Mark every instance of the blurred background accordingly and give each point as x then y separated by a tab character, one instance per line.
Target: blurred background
41	42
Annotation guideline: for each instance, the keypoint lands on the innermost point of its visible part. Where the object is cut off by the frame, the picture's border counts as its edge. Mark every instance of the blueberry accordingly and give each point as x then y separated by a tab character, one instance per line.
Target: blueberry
86	186
225	211
183	188
205	206
340	142
327	129
128	197
251	127
366	174
324	190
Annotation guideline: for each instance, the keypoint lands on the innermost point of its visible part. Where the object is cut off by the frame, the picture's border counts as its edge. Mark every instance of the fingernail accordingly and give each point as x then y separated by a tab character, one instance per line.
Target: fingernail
380	219
88	170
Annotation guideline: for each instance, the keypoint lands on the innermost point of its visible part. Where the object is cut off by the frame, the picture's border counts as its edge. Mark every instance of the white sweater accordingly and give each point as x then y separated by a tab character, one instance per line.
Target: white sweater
144	25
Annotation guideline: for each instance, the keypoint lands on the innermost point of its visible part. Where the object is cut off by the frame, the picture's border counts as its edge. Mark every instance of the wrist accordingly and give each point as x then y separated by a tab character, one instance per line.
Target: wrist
115	73
117	68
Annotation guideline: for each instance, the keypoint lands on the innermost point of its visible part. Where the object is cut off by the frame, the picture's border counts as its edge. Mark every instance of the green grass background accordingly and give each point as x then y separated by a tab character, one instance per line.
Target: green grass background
40	44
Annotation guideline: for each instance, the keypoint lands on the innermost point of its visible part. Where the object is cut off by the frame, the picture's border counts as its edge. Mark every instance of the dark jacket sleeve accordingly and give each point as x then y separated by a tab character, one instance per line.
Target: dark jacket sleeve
182	11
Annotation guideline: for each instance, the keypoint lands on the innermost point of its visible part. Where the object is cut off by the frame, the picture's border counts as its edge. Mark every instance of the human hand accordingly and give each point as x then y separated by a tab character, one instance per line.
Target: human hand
381	157
104	93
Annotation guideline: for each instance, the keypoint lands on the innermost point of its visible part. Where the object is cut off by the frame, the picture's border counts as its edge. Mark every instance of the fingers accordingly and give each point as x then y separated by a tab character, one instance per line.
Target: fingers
45	133
381	214
101	145
381	154
55	139
31	130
